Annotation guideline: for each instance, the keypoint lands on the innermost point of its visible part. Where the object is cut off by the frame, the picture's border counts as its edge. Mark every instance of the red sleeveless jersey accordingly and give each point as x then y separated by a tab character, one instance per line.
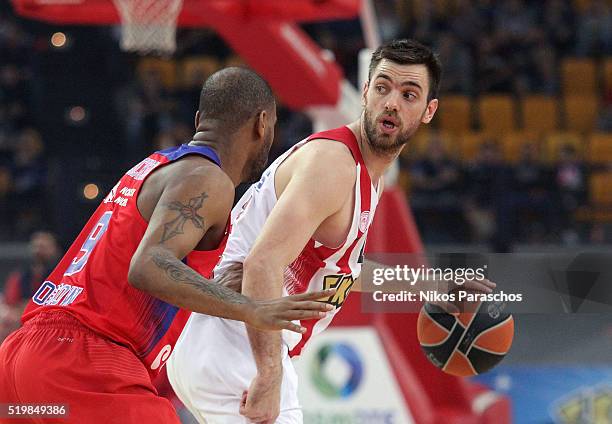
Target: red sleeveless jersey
90	282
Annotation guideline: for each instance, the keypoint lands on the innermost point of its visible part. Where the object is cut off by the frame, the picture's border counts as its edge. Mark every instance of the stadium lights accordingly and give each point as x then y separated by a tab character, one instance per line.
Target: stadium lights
91	191
76	115
58	40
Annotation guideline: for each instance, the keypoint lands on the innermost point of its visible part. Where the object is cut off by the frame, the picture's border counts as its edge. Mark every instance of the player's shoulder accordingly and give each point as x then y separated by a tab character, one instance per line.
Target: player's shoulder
328	158
203	175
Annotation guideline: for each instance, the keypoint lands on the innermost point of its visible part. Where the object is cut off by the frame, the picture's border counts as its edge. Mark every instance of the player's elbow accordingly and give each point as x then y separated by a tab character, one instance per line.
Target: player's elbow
258	264
259	273
136	273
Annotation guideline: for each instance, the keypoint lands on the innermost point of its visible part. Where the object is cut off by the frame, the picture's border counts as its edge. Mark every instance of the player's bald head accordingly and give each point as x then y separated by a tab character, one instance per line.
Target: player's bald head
233	96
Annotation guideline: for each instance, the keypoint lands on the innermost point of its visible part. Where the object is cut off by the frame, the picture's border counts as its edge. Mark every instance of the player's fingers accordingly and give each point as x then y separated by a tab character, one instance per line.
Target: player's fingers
288	325
313	295
485	282
478	285
300	314
310	306
252	414
490	283
243	410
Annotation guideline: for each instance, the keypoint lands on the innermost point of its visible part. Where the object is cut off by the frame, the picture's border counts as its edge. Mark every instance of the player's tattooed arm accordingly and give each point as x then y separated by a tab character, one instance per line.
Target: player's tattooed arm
179	272
178	222
189	206
186	211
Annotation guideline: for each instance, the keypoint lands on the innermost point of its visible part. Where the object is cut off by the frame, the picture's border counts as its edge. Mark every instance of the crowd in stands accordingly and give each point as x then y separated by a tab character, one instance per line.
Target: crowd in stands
511	47
22	159
487	199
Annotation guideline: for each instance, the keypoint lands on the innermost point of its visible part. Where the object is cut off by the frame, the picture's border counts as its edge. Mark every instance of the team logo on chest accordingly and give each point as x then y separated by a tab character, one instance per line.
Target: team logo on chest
364	221
342	283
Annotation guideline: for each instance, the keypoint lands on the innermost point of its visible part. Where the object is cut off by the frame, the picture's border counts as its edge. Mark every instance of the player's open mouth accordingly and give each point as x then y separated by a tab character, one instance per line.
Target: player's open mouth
387	126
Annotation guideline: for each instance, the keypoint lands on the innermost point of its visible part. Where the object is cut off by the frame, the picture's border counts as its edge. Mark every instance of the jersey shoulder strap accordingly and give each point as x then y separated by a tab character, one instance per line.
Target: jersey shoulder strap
176	153
345	136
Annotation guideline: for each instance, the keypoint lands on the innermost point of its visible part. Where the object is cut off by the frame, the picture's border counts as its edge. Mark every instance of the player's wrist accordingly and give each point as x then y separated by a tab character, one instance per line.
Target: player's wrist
248	311
270	372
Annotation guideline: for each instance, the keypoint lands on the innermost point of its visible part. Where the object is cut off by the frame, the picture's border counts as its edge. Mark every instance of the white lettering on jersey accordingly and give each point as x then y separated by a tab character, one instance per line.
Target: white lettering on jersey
50	294
121	201
141	170
112	194
128	192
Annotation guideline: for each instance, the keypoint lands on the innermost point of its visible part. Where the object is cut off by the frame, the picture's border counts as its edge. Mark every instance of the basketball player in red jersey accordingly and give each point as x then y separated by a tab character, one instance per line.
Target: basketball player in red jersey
106	319
302	228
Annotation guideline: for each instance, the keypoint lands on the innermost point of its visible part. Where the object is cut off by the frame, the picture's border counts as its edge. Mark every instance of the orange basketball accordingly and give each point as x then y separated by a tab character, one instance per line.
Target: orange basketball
468	344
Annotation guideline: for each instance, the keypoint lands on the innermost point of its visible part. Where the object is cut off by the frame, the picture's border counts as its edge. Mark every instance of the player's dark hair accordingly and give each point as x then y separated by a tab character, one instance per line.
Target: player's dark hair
233	96
410	52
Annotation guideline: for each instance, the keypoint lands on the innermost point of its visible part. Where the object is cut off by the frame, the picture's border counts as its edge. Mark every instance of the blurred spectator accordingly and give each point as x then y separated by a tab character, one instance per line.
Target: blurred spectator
292	127
148	112
496	73
13	94
434	183
457	63
6	186
164	140
570	184
470	22
528	200
594	30
543	77
183	132
487	179
604	120
558	19
29	174
188	96
22	283
13	41
387	13
514	22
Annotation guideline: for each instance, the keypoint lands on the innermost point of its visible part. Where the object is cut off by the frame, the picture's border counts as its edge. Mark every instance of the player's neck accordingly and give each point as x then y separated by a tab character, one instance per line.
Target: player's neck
376	163
212	139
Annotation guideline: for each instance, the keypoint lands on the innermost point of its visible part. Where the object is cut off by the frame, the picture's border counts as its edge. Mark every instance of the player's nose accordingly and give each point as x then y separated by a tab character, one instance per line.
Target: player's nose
392	102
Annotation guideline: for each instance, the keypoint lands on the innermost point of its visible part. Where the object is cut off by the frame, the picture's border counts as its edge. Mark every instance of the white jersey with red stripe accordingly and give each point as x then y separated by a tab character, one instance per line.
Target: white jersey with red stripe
212	364
317	267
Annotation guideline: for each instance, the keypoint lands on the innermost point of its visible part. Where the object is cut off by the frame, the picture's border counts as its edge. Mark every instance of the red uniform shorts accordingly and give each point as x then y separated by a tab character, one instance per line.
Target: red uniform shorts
54	359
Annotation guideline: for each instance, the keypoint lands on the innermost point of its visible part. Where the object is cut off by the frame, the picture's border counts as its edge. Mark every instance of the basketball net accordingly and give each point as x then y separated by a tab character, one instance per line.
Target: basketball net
148	26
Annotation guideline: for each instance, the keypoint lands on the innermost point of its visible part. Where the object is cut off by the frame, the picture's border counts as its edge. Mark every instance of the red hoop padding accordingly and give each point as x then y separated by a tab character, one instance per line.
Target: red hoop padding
262	32
195	13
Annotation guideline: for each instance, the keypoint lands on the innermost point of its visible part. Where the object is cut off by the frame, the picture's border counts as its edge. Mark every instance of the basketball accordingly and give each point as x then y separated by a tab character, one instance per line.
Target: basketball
469	343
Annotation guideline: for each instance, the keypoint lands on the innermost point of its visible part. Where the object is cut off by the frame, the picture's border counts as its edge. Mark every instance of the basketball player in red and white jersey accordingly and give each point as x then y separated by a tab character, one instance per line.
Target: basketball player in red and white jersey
303	228
106	319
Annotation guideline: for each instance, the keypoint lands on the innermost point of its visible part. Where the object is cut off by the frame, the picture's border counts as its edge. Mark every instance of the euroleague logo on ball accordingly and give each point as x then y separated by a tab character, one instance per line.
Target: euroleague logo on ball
337	370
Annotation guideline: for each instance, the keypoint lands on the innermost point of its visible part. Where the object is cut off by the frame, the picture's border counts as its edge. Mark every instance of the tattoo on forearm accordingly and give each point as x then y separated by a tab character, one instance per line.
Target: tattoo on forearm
187	212
181	273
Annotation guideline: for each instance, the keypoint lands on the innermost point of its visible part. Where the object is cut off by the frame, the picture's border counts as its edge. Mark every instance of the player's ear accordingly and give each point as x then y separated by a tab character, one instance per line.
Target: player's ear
432	106
261	124
364	93
197	119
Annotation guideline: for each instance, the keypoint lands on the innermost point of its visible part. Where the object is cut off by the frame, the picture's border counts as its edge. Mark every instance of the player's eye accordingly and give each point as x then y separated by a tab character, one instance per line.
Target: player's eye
409	95
381	89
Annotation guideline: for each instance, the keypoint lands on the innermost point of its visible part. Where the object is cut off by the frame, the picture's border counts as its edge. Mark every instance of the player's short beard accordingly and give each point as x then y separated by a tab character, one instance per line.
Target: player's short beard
259	162
378	145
